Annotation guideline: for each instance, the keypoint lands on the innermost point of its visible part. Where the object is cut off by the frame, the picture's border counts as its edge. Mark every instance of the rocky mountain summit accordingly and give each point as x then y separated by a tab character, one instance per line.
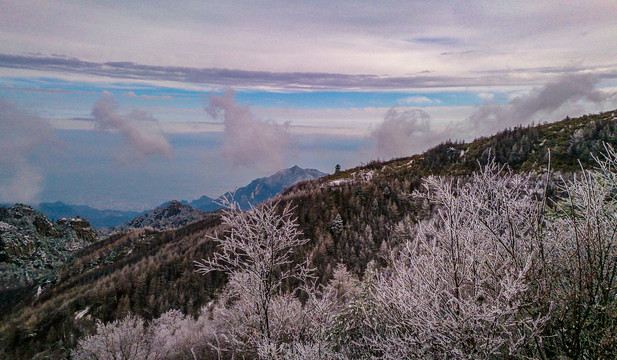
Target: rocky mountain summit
205	203
33	248
171	215
260	190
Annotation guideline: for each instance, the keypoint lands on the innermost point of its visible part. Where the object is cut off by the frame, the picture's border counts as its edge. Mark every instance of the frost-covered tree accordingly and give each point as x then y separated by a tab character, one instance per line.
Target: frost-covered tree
170	336
337	225
323	308
581	264
257	254
461	287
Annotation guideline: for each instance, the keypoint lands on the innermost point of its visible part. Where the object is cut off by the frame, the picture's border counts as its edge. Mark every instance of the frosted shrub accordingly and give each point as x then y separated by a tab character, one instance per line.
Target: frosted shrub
119	340
171	336
461	287
323	310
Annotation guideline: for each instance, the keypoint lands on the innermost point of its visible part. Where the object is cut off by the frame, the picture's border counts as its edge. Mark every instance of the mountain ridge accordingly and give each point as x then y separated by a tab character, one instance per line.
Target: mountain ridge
523	148
96	217
257	191
351	218
175	213
260	189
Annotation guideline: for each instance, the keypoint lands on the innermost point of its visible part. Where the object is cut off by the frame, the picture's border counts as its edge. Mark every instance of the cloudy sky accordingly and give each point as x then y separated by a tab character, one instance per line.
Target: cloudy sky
126	104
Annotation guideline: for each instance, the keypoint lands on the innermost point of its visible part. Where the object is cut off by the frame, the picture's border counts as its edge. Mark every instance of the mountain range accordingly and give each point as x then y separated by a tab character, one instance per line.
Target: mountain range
97	217
353	218
258	191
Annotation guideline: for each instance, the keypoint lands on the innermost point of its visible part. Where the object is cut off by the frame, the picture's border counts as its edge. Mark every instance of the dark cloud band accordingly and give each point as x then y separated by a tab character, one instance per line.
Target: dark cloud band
282	80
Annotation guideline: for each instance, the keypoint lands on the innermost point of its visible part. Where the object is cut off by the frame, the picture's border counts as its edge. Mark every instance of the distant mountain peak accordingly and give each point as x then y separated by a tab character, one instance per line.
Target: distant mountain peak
261	189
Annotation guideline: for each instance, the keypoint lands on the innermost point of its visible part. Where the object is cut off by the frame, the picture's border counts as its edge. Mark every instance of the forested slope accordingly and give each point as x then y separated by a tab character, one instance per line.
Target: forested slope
351	218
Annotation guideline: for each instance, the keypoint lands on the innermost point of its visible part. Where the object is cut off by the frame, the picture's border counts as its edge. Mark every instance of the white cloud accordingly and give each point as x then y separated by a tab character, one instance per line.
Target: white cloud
139	128
132	94
541	104
418	100
247	139
403	133
486	96
22	135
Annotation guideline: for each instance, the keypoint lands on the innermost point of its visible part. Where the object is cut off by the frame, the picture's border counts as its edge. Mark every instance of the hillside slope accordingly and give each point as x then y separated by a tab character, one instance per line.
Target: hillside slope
353	217
570	141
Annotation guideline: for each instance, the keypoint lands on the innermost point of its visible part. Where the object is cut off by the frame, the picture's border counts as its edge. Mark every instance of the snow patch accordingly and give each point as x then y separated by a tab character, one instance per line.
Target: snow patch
356	176
339	182
82	313
367	176
6	226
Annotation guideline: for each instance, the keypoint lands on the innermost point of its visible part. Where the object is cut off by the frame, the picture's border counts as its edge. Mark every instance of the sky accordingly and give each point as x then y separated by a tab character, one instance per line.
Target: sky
128	104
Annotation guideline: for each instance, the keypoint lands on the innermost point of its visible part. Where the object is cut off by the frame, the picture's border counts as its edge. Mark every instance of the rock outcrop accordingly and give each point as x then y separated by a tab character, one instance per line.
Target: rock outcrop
170	215
33	248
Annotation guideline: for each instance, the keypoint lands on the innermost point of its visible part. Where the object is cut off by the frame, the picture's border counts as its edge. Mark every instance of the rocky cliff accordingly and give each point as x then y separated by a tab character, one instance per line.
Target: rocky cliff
33	249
